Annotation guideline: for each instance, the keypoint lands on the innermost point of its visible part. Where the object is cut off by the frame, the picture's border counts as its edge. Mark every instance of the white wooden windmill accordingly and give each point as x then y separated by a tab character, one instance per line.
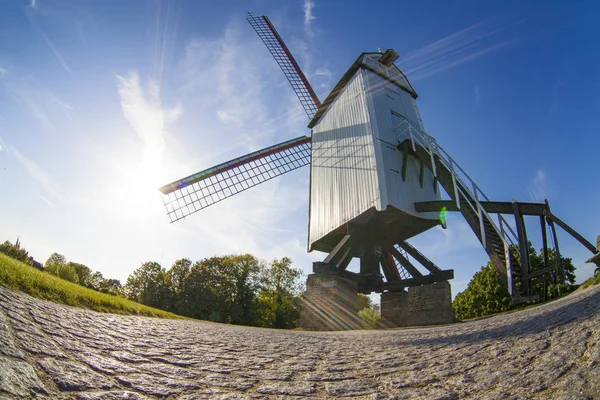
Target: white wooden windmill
375	180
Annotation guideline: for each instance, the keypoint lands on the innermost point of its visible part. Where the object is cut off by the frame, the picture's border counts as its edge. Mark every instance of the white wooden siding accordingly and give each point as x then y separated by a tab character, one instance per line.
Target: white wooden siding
344	181
383	104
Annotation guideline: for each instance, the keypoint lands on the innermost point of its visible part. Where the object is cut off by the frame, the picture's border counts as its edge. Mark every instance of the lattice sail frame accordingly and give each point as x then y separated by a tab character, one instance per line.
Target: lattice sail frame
267	33
205	188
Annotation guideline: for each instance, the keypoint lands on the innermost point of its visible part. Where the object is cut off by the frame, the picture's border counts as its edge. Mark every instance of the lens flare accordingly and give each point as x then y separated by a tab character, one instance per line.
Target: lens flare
443	216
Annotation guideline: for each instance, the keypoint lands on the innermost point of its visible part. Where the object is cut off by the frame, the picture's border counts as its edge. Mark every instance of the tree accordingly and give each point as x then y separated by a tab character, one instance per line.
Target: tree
244	274
486	294
148	285
199	298
221	289
278	296
54	263
57	265
177	274
83	273
369	313
553	284
16	252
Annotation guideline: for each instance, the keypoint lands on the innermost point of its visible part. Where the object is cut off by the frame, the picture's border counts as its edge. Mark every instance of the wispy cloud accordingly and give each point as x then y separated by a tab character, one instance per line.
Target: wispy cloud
31	100
60	59
309	18
60	102
146	115
250	106
32	3
45	200
538	188
39	174
55	51
3	71
458	48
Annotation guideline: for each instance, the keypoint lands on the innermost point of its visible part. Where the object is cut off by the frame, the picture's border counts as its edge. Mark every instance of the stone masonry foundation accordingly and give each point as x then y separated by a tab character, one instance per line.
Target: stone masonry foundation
421	305
329	303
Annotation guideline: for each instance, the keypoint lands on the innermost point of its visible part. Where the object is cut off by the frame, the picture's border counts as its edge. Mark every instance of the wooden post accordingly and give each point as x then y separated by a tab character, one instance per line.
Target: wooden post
523	247
544	240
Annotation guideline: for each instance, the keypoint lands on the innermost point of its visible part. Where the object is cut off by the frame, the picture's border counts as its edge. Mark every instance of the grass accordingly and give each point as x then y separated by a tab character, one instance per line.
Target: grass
18	276
594	280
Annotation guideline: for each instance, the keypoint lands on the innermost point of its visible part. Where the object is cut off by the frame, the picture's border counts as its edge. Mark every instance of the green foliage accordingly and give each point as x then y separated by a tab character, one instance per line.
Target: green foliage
54	264
149	285
177	274
594	280
16	252
555	285
19	276
83	273
369	313
369	318
278	296
57	265
485	295
221	289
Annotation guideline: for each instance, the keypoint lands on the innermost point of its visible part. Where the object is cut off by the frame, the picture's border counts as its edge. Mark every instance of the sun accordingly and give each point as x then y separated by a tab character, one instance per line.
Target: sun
134	194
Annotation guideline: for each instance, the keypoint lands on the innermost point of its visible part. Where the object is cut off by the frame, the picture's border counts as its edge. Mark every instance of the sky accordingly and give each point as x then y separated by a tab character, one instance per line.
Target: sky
103	102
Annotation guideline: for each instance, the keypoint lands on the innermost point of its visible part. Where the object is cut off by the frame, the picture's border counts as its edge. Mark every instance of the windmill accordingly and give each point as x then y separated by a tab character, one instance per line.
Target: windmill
375	181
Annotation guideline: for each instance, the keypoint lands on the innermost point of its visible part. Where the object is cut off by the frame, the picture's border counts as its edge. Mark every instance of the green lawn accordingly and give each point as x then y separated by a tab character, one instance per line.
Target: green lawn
594	280
18	276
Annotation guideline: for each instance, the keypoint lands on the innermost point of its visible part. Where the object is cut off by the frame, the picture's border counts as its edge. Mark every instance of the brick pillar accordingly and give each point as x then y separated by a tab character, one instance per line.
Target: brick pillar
430	304
393	309
329	303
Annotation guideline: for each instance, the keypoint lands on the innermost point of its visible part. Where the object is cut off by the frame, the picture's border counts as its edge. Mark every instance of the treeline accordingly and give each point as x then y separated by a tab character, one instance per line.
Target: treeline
488	294
15	251
236	289
58	265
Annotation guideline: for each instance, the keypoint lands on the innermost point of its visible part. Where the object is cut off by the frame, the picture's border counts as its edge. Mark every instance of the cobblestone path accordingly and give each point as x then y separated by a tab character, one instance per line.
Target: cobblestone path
53	351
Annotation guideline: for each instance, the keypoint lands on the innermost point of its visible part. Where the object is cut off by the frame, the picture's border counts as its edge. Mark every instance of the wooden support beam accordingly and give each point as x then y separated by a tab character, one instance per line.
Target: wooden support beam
491	207
404	160
389	267
542	271
422	280
345	260
555	240
523	247
417	255
338	251
369	262
570	231
544	240
405	263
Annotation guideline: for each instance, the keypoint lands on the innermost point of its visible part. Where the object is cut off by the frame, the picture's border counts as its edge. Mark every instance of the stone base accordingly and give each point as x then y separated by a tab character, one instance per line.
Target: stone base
422	305
329	303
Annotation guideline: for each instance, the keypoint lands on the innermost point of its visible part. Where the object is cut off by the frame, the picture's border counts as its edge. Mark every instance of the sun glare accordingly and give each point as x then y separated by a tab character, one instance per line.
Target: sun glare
135	193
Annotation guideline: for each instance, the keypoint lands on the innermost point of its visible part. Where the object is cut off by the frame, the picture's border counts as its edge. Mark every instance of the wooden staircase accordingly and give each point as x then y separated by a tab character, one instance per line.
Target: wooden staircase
500	240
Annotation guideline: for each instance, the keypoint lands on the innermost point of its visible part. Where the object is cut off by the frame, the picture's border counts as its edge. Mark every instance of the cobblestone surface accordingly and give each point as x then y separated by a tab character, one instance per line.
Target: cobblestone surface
53	351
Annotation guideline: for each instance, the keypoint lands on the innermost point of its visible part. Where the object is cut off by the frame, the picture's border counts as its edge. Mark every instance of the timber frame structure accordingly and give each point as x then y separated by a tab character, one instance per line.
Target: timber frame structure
508	250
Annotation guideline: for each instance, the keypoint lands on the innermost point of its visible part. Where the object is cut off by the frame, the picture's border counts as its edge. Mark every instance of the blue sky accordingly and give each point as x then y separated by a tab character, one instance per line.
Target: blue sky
103	102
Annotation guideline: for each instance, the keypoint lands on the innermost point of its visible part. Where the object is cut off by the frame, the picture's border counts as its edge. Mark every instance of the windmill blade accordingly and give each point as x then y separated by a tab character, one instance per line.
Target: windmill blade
205	188
267	33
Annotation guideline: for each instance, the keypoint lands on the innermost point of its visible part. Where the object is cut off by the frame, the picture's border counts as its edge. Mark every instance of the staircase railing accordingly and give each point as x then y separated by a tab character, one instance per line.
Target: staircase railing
466	186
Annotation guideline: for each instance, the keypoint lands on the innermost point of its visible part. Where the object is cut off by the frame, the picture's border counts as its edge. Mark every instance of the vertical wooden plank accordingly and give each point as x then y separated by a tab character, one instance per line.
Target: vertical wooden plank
544	240
523	247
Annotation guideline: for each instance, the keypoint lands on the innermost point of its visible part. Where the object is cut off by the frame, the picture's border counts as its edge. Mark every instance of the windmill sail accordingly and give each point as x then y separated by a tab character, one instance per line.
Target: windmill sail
205	188
267	33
